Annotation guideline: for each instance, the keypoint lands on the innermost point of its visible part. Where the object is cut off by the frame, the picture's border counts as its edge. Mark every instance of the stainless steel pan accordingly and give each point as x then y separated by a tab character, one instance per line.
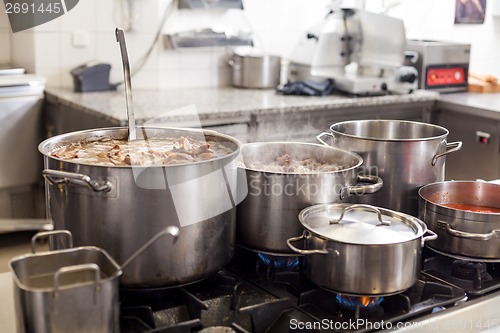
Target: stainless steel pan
361	249
267	216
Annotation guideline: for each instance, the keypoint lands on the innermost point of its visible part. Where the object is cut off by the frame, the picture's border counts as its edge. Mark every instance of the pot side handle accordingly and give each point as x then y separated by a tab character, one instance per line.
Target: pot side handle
467	235
320	136
301	251
77	268
450	148
375	182
432	236
56	177
45	234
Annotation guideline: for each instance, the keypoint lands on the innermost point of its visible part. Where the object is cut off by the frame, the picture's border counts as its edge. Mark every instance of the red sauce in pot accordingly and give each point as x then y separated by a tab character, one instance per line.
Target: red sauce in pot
473	208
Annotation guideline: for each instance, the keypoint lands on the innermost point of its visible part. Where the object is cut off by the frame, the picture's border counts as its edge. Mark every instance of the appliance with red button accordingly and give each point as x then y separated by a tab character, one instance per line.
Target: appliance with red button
442	66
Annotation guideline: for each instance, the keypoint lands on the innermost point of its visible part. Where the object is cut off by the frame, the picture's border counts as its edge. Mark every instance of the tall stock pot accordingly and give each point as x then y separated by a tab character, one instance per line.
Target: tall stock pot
464	229
119	208
268	215
405	154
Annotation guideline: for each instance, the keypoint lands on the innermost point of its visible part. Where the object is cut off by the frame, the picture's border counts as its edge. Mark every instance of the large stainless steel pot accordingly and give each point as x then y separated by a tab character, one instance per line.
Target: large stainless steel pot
71	290
405	154
361	249
473	235
267	216
120	208
250	70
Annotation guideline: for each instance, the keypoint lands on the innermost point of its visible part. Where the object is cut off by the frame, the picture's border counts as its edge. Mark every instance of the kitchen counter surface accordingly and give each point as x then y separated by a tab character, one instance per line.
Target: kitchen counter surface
188	107
483	105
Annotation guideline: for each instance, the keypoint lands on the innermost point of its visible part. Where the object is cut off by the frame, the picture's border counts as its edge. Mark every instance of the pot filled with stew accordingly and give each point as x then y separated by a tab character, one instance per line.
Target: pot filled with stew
116	194
285	177
466	217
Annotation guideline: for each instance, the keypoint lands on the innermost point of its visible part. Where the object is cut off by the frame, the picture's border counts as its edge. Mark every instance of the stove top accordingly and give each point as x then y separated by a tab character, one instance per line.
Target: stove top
257	294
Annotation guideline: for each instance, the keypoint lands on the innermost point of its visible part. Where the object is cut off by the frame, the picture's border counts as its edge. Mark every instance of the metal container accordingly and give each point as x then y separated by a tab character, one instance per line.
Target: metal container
255	70
471	235
120	208
267	216
360	249
442	66
71	290
405	154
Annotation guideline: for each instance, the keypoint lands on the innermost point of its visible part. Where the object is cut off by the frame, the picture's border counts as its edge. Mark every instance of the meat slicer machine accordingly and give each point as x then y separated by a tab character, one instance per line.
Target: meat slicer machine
363	52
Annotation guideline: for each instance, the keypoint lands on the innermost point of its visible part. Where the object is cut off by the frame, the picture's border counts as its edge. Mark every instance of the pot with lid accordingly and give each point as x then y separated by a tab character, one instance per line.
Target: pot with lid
361	249
118	205
285	177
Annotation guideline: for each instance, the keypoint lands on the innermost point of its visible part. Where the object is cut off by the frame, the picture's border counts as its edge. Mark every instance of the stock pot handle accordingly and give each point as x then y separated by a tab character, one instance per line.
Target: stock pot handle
56	177
432	236
450	148
320	136
375	182
363	207
301	251
46	234
77	268
467	235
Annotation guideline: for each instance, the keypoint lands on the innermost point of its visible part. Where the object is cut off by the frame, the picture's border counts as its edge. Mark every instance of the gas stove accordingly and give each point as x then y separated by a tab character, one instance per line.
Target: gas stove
259	293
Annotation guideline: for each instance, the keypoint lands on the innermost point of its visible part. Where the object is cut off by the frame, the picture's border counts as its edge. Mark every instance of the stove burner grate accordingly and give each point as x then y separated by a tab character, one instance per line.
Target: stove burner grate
476	278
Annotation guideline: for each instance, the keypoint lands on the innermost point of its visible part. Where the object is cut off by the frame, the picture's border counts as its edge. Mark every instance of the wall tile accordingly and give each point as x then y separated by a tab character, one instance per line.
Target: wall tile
47	49
52	74
23	50
192	78
5	49
170	79
81	17
72	56
4	19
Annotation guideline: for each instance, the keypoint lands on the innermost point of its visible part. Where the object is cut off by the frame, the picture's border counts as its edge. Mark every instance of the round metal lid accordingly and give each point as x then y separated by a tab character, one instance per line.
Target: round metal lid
360	224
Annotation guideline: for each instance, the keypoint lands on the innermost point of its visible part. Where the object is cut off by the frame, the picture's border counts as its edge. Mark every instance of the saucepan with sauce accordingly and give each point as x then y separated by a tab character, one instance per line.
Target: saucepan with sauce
466	217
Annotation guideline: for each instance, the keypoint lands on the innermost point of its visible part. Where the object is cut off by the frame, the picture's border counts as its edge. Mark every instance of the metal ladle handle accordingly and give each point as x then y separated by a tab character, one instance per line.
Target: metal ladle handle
120	38
364	207
170	230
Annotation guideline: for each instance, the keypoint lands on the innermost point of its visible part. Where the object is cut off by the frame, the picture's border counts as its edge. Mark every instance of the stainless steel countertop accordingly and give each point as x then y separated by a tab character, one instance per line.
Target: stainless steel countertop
483	105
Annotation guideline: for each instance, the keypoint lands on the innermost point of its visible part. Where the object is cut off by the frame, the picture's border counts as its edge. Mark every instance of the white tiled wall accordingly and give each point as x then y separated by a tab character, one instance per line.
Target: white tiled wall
277	24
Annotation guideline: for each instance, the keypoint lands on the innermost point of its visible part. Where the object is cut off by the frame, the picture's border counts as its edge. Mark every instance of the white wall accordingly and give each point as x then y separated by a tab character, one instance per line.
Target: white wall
4	36
278	24
434	19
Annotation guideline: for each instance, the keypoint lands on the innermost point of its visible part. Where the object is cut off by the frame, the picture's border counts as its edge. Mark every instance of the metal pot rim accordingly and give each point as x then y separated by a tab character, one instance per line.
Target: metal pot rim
354	155
117	273
439	208
368	138
42	147
417	225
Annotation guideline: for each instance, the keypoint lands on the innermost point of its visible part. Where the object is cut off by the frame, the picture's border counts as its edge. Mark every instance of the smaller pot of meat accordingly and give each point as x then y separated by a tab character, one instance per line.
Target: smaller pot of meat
283	178
466	217
361	249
